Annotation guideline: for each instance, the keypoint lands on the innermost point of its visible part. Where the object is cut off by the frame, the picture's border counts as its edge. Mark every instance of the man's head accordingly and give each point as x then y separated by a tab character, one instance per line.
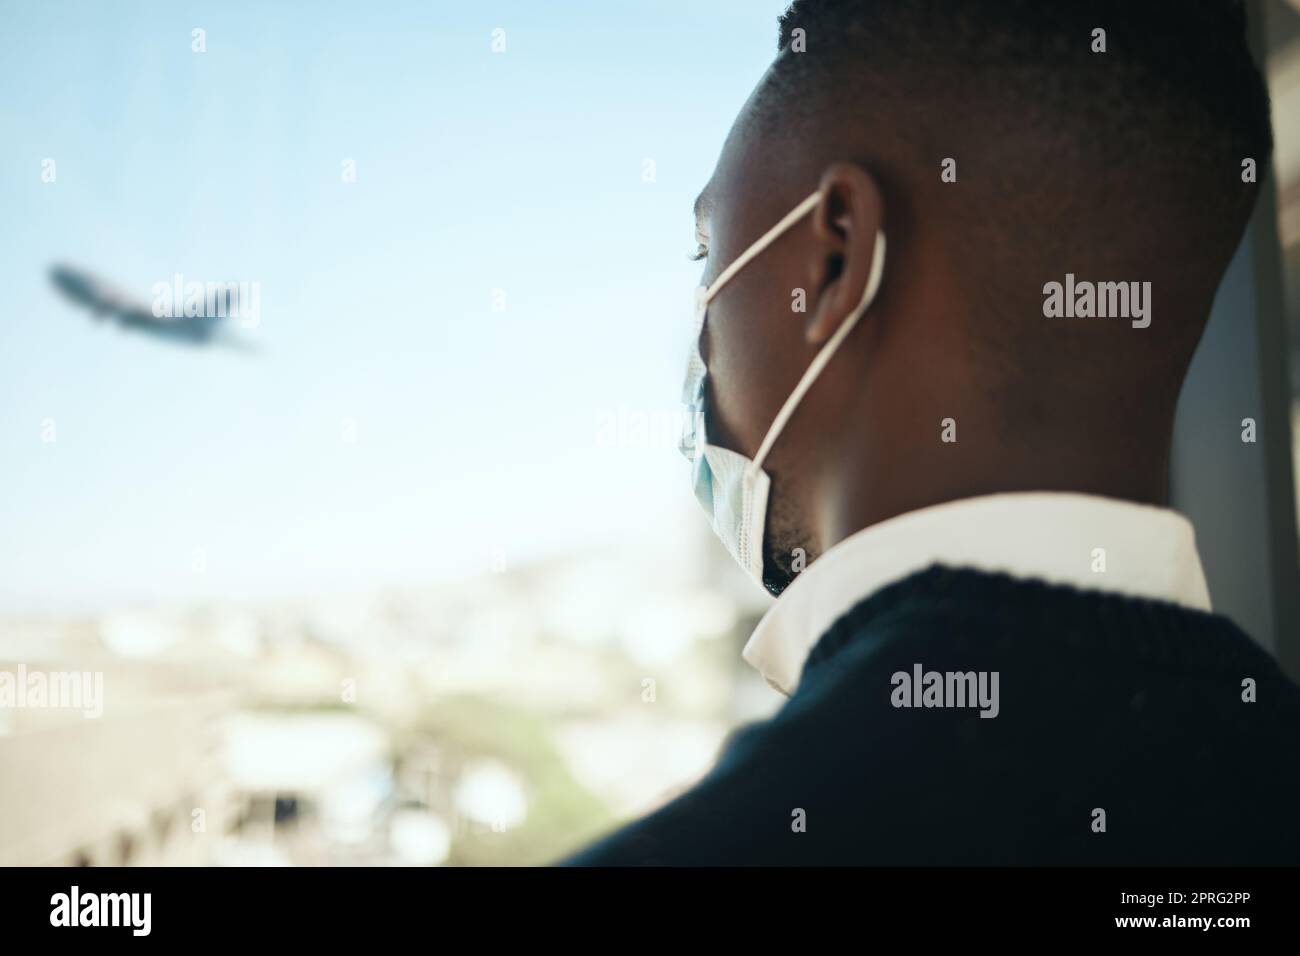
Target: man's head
1000	146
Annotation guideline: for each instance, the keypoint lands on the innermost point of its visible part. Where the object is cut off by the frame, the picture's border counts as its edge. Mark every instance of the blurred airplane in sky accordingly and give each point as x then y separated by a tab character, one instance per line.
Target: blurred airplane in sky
107	302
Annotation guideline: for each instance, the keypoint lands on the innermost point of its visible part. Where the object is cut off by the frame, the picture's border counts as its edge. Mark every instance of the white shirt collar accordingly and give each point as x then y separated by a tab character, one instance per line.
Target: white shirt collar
1149	552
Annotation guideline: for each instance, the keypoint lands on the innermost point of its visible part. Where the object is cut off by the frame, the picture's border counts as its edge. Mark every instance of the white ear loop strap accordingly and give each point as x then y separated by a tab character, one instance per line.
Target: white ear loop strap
819	361
765	240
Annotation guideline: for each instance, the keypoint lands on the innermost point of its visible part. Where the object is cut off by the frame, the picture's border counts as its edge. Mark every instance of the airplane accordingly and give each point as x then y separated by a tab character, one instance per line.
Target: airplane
107	302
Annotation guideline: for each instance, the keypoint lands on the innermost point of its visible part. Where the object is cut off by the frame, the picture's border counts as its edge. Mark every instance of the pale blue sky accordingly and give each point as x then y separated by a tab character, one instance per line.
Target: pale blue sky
519	171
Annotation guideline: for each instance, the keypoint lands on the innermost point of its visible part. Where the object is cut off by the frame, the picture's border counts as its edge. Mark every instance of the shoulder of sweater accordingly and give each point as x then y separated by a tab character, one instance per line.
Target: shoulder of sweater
959	607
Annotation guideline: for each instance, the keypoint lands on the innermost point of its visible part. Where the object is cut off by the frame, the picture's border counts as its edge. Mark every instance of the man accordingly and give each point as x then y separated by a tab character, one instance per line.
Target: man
958	256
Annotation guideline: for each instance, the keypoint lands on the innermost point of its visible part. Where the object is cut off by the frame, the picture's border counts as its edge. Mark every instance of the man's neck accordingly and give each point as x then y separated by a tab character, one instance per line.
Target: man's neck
852	500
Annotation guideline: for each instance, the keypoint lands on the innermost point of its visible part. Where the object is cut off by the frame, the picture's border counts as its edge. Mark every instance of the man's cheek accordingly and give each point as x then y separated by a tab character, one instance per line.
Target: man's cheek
742	387
726	385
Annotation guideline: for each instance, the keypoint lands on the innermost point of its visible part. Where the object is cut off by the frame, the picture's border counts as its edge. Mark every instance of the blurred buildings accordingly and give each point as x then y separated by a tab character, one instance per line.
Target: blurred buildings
503	719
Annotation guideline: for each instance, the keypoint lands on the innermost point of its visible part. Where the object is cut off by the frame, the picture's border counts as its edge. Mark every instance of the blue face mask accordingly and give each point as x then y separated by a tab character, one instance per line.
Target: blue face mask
731	488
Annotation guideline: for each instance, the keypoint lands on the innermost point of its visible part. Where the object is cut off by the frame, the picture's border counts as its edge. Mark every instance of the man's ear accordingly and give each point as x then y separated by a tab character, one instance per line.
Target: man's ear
845	224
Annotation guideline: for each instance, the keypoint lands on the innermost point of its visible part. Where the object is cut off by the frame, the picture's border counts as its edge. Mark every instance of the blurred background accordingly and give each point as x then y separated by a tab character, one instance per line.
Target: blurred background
1280	20
404	569
417	576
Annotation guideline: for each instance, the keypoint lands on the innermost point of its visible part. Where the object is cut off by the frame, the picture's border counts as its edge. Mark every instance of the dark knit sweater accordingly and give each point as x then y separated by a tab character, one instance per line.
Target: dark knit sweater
1128	706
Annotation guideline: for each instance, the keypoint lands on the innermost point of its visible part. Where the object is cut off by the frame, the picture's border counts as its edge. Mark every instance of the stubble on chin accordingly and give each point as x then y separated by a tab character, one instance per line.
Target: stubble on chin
788	547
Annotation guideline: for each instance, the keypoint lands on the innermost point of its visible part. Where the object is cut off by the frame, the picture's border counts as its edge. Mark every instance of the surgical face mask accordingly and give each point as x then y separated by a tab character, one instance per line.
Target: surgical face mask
731	488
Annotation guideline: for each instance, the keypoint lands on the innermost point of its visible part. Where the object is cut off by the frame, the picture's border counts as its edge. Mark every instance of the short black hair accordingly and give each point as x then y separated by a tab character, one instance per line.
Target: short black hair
1176	96
1168	63
1128	160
